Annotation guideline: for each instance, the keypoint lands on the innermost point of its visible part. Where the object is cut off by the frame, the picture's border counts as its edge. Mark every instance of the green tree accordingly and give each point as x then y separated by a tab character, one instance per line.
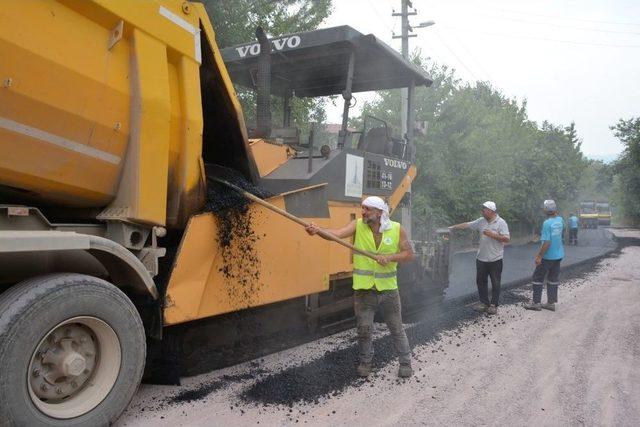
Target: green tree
235	22
596	182
481	145
627	170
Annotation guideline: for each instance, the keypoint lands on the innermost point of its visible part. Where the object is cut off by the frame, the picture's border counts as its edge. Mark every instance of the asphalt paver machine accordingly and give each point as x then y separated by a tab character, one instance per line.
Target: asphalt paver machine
338	61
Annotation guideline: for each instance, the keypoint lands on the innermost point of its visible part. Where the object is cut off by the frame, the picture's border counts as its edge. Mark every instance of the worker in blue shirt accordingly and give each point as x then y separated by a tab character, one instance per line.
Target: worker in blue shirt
573	229
548	260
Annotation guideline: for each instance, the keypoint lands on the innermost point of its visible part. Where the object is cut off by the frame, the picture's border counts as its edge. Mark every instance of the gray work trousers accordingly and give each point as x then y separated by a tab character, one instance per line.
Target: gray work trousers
365	304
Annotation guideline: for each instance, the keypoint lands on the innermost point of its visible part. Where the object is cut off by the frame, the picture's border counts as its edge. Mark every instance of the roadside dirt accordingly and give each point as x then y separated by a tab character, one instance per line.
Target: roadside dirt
578	365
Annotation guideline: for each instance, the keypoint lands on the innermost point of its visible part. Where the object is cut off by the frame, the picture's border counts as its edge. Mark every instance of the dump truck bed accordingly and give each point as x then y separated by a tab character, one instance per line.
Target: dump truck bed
102	108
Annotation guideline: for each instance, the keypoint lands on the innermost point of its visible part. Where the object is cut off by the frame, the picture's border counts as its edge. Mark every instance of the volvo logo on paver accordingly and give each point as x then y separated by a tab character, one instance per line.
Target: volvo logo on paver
278	44
395	163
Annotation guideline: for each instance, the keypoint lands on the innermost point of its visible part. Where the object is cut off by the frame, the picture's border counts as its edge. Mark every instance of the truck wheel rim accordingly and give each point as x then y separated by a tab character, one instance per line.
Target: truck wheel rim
74	367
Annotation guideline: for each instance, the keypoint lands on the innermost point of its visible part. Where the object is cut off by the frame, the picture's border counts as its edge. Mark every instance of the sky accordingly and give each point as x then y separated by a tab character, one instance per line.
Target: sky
571	60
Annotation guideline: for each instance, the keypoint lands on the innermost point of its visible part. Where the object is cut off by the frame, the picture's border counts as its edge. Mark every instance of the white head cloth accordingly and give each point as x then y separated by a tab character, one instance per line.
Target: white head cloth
377	203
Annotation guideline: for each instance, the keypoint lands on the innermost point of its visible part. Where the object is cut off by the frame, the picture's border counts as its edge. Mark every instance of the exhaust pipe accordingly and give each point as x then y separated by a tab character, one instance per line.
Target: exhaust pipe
263	107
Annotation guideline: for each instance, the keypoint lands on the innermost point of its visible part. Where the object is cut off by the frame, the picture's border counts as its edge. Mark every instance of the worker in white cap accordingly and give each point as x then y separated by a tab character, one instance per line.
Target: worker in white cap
548	259
494	234
375	282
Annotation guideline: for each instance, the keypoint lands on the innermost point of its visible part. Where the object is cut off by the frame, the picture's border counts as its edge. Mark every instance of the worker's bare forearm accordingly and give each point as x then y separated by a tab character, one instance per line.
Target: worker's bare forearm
400	257
341	233
333	231
461	226
543	248
406	251
404	256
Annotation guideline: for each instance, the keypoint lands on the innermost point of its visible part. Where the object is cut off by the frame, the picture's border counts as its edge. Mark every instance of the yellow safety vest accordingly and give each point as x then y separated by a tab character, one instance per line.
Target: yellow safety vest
367	273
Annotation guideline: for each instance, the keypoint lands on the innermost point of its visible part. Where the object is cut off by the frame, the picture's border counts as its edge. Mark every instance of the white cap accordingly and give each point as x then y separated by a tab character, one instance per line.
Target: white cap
550	206
489	205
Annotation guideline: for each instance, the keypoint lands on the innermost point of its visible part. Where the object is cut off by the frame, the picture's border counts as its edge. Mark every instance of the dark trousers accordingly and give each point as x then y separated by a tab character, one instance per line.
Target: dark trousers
551	270
573	236
484	270
365	304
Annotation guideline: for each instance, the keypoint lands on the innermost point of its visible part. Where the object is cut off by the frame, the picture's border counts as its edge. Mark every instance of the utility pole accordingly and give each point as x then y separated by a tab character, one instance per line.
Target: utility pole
406	96
405	211
404	18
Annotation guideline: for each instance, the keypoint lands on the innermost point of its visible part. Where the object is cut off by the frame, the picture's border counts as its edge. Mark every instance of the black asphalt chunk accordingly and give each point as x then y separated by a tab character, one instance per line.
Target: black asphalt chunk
201	391
243	376
221	197
241	262
197	393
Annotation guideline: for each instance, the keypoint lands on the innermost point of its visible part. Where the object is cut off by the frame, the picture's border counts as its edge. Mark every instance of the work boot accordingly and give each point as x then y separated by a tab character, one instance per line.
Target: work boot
481	307
549	306
364	369
405	371
492	310
536	306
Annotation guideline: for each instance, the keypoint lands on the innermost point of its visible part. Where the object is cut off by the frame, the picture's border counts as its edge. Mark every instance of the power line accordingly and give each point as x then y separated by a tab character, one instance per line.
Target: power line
474	59
375	10
444	43
442	39
557	25
571	19
543	38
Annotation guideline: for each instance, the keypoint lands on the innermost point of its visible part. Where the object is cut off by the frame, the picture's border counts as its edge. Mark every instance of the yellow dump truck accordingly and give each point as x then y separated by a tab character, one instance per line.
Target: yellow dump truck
112	112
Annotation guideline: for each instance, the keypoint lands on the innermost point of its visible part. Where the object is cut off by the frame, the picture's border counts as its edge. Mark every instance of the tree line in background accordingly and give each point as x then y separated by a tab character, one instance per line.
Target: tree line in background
626	171
480	144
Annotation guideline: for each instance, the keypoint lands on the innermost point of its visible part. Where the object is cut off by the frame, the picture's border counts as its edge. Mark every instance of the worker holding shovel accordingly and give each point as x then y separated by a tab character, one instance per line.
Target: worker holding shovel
380	245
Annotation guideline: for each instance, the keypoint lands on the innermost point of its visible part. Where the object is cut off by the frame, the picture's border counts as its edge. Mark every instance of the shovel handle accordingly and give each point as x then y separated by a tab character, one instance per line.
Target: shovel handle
293	218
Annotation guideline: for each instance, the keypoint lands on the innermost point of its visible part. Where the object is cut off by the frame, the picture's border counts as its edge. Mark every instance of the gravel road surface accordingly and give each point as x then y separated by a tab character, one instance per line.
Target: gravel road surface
578	365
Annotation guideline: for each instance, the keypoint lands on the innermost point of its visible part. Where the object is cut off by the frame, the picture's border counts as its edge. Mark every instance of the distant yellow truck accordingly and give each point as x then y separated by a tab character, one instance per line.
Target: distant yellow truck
604	213
588	215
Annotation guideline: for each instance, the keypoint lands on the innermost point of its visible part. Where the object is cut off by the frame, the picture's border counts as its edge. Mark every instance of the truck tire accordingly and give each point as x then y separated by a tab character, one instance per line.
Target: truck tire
72	352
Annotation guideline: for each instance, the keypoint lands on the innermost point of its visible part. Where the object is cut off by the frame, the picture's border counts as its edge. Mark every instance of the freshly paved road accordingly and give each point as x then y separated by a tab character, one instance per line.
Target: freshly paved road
518	261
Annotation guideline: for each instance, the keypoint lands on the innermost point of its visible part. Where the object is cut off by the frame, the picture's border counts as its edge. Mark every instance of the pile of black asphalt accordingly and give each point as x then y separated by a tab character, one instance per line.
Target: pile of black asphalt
221	197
